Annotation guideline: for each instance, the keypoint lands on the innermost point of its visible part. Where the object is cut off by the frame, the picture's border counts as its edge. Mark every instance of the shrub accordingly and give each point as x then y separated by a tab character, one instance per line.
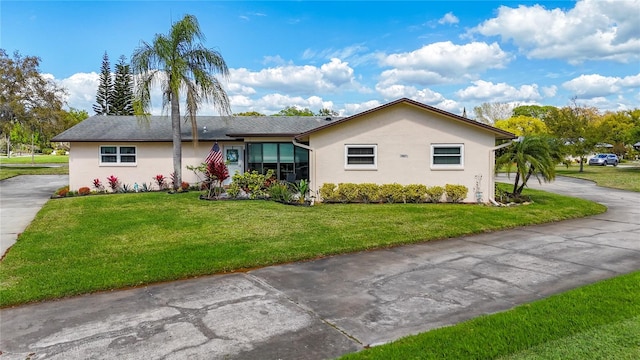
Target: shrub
302	188
253	183
63	191
61	152
114	183
328	192
455	193
392	193
415	193
47	151
84	191
160	180
184	186
369	192
279	191
98	185
233	191
434	193
217	173
347	192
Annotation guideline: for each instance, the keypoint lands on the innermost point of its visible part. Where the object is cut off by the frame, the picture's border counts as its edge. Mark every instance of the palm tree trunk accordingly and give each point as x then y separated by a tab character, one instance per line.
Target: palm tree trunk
515	184
177	140
526	179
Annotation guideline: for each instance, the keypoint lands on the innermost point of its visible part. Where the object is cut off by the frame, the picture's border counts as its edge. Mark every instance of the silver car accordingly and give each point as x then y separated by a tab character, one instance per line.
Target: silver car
604	160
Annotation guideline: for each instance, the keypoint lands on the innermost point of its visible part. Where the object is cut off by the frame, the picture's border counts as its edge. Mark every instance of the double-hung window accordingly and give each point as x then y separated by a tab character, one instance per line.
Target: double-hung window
447	156
361	157
118	155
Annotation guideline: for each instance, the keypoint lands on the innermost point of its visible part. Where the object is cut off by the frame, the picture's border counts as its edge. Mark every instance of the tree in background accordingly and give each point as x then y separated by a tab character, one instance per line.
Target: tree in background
179	61
576	126
104	95
489	113
249	113
327	112
531	156
122	100
522	125
29	100
534	111
294	111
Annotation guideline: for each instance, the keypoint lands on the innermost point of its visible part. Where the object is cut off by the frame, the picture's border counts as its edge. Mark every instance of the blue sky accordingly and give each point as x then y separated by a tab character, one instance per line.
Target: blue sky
350	56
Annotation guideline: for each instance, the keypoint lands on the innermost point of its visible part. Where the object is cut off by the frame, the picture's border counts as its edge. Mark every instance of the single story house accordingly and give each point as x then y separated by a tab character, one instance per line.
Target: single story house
403	142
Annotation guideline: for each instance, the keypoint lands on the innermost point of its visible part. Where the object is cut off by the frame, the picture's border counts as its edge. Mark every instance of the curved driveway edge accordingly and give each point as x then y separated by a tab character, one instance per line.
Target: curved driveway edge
325	308
21	197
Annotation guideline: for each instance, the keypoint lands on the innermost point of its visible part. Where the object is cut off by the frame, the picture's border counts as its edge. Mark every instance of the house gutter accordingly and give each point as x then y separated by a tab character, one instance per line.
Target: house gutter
492	157
312	161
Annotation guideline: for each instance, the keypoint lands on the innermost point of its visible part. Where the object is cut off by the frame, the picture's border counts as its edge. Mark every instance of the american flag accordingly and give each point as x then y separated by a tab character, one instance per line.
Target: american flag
215	154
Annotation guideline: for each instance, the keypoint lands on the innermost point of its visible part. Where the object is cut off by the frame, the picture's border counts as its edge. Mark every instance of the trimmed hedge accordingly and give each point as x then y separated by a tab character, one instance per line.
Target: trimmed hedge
391	193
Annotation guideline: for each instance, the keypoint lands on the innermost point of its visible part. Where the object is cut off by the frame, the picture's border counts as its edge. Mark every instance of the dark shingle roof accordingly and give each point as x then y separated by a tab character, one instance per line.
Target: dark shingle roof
158	128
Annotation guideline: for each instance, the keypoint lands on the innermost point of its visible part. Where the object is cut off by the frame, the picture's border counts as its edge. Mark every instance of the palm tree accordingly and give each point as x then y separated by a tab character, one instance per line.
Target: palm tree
179	62
531	155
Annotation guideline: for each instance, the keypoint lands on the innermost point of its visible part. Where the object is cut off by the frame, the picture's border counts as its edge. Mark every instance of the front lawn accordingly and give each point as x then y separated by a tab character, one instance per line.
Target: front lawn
11	171
623	177
85	244
598	321
37	159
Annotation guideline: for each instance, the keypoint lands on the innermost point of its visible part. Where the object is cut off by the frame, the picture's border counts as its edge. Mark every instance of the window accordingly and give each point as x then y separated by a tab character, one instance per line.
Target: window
117	155
447	156
287	161
360	157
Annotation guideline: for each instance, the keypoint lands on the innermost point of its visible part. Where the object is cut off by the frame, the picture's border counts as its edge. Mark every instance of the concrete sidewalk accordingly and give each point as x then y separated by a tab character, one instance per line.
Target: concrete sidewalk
325	308
21	197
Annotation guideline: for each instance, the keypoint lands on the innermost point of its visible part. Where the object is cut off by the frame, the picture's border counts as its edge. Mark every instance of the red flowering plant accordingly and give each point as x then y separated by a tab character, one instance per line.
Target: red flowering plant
98	185
84	191
114	183
217	173
160	180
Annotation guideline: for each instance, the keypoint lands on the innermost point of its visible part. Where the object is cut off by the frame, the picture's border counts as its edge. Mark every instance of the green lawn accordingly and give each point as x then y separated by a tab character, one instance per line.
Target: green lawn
624	176
26	167
598	321
85	244
37	159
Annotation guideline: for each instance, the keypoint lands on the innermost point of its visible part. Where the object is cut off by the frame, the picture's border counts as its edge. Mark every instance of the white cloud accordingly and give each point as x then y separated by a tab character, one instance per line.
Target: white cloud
595	85
449	18
272	103
304	80
355	108
442	62
81	89
500	92
592	30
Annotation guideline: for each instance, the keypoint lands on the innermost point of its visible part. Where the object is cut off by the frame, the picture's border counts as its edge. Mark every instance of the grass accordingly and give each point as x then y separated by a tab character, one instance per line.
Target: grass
623	177
86	244
14	167
598	321
38	159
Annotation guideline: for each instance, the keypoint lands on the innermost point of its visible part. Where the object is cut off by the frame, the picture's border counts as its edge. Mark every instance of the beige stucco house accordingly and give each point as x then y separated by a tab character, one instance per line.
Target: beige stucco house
403	142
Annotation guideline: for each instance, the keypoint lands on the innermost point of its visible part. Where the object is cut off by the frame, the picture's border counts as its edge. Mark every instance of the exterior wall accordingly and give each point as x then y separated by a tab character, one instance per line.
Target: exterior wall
404	135
152	158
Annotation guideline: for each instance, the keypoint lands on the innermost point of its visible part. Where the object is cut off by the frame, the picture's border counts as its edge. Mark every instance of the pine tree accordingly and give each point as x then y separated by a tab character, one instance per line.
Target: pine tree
122	101
105	88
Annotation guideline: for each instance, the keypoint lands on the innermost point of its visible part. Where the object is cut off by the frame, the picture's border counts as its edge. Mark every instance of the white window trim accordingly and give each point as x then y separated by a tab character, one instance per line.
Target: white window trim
117	155
447	166
348	166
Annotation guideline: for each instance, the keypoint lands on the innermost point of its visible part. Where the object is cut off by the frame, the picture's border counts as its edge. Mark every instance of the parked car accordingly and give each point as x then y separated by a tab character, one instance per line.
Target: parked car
604	160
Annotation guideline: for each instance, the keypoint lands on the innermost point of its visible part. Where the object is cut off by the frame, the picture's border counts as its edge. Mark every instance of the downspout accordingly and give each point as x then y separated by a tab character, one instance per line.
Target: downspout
312	163
492	181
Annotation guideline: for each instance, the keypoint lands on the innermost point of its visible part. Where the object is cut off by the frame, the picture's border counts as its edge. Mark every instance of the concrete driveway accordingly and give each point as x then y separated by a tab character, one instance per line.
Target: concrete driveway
21	197
325	308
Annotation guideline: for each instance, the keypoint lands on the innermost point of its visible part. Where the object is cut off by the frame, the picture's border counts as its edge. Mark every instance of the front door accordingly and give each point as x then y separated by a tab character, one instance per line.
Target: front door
234	157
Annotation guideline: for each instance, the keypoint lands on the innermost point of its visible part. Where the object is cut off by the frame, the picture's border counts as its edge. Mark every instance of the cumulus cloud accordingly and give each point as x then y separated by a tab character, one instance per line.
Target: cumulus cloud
303	80
592	30
500	92
595	85
272	103
81	89
448	18
442	62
